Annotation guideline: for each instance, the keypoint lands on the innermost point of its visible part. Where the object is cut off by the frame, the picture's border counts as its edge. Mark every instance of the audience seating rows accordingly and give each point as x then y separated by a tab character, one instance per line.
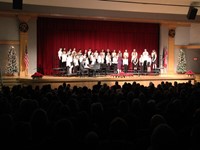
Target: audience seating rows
127	117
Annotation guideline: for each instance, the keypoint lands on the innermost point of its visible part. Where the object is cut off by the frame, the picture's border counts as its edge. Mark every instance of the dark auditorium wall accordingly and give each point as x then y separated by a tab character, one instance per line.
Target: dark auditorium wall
189	36
8	32
193	60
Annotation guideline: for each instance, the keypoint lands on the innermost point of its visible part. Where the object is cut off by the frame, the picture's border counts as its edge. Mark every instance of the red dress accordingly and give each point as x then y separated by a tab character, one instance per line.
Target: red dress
119	64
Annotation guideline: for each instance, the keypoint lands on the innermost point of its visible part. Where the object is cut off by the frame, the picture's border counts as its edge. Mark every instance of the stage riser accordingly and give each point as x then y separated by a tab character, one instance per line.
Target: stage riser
9	81
55	82
90	84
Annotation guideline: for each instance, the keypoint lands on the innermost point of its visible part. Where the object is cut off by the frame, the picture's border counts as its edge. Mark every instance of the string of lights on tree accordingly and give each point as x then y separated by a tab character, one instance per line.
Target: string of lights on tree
181	67
11	66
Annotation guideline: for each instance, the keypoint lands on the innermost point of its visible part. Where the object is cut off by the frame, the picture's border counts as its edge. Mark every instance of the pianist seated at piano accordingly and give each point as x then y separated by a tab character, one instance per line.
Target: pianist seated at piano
83	68
93	69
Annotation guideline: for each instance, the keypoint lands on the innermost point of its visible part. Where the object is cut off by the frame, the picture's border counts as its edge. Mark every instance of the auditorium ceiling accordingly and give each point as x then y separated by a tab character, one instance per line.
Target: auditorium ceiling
124	10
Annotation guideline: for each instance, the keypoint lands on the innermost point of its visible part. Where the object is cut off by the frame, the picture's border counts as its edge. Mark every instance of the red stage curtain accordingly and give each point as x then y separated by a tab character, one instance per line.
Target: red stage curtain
53	33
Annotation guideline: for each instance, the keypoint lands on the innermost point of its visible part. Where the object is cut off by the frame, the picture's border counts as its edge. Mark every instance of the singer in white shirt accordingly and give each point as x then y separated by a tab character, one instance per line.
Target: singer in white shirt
125	64
134	59
64	59
125	54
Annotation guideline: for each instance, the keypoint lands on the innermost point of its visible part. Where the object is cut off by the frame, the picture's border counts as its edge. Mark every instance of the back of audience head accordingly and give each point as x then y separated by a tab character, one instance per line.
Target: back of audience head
156	120
164	138
91	141
118	129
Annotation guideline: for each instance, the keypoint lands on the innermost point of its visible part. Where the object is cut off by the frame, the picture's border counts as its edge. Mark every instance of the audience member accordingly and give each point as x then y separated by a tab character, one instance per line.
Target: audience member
131	116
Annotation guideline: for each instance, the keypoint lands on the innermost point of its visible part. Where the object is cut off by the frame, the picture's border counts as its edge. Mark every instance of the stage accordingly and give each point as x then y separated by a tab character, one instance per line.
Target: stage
110	80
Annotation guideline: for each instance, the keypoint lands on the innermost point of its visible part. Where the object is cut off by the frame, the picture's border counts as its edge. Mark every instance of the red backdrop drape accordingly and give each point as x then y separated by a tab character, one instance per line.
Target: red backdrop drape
53	33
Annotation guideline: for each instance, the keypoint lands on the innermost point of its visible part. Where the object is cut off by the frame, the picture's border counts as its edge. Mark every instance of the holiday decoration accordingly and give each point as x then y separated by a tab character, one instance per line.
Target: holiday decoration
37	75
190	73
181	67
11	67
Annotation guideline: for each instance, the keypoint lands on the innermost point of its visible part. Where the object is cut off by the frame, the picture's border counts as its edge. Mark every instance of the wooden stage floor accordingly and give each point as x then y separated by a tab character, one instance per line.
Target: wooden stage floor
55	81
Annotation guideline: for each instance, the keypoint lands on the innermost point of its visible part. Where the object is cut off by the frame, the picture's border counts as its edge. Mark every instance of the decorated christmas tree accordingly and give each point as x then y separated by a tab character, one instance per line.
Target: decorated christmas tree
181	67
11	67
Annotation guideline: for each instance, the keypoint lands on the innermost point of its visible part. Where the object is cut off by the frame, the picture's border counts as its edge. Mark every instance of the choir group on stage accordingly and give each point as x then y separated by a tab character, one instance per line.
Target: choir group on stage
72	60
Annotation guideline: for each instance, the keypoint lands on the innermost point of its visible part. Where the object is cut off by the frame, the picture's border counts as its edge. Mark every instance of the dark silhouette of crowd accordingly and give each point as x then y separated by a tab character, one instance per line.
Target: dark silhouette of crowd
118	117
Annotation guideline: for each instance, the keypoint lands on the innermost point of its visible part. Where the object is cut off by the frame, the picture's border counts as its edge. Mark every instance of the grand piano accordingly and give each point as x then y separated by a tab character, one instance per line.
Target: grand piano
94	69
104	69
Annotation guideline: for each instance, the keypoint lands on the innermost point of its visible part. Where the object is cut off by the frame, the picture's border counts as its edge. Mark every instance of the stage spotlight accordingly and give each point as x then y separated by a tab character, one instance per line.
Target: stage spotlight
192	12
17	4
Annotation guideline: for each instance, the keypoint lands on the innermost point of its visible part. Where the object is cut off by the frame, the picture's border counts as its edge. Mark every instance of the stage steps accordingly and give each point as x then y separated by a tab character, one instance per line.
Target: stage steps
9	81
